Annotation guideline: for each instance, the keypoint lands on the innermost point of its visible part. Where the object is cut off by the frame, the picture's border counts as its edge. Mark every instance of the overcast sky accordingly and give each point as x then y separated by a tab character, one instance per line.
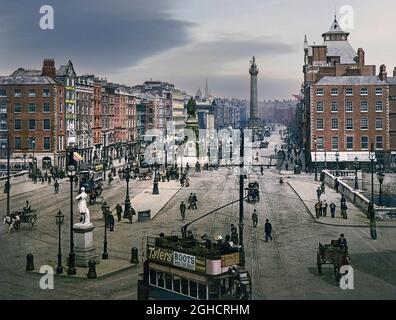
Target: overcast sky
187	41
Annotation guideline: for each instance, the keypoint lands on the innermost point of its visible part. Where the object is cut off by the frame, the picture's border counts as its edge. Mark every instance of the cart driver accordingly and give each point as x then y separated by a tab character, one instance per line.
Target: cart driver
342	241
27	208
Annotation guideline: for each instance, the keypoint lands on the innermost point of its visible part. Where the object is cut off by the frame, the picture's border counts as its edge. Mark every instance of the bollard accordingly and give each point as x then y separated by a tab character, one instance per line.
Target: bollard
92	269
134	255
29	262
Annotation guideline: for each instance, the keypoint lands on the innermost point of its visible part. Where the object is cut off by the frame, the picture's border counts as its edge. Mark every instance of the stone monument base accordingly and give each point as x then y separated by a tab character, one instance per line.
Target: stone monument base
84	247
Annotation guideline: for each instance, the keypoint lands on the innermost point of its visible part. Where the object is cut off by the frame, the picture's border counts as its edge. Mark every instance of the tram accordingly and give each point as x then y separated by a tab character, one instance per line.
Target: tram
91	176
179	268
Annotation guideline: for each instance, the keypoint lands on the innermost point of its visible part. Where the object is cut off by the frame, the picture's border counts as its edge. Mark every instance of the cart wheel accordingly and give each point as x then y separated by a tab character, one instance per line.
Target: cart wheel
319	263
32	222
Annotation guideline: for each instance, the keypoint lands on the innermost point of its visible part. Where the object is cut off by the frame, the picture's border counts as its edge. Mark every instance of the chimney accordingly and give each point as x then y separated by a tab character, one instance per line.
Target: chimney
361	57
49	68
394	71
382	74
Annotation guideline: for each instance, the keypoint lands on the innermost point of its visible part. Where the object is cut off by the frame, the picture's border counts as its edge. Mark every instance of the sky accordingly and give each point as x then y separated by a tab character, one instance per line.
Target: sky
187	41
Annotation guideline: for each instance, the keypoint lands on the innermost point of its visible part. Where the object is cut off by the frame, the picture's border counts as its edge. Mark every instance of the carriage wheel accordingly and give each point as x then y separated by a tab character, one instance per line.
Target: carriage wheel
319	263
32	222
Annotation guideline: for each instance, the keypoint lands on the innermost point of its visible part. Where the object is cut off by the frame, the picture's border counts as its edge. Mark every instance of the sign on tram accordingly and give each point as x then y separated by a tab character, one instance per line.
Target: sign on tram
229	259
183	260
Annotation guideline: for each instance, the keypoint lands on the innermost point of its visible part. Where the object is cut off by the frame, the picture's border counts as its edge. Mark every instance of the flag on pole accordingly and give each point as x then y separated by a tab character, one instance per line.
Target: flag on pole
77	156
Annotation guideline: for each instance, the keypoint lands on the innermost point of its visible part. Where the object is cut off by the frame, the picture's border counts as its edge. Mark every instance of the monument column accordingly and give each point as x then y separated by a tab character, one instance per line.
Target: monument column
253	70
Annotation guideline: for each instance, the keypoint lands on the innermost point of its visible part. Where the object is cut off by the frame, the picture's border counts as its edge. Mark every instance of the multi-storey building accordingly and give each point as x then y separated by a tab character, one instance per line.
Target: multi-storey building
392	119
84	116
179	116
35	116
97	124
345	104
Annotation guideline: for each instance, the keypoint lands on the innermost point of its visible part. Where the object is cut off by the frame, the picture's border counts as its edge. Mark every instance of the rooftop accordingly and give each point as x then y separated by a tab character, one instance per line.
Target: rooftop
16	80
351	80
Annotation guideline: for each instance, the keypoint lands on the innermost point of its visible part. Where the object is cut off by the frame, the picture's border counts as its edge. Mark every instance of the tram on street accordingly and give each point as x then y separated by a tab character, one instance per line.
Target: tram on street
179	268
91	176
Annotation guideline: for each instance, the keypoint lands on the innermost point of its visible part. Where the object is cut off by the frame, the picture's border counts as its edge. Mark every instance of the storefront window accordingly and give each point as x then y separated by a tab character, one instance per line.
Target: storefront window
184	286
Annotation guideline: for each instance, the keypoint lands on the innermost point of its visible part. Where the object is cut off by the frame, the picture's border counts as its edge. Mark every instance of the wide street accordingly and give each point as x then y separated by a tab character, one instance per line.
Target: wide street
284	268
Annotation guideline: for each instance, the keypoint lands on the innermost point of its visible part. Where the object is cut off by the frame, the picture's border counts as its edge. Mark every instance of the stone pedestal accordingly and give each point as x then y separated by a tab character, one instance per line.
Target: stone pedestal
84	247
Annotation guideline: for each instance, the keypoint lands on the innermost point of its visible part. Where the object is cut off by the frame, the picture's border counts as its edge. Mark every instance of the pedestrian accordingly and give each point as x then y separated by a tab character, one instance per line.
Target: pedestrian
332	209
76	181
261	170
336	184
189	201
323	187
234	237
344	210
254	218
321	209
45	176
287	166
317	209
318	193
183	210
110	221
267	230
56	186
233	228
49	178
42	179
119	212
324	210
167	175
194	200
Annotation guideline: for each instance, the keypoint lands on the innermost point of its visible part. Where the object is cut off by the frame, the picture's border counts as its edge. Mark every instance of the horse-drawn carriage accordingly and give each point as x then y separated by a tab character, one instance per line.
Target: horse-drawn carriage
17	218
333	254
253	193
96	194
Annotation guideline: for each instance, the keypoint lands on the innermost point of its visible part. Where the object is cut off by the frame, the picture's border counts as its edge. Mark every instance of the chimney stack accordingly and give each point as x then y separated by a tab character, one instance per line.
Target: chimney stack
382	74
361	54
49	68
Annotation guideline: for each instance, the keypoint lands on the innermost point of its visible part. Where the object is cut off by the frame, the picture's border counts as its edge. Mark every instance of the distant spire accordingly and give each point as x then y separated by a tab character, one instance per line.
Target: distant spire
305	42
206	88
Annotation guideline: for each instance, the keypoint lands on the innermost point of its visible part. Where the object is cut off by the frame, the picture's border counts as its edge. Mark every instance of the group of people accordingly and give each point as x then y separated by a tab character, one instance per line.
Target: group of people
192	204
267	226
321	205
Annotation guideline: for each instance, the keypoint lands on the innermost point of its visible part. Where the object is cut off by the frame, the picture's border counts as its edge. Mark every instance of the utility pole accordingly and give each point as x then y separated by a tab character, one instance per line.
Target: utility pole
241	187
8	185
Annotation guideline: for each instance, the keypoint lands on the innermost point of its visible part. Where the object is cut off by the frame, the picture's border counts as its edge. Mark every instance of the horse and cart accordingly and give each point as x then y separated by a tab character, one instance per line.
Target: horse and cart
15	220
253	192
333	254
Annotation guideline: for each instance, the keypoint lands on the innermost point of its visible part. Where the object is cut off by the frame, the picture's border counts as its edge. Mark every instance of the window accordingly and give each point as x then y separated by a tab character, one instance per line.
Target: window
363	106
363	91
184	286
334	92
364	143
46	93
3	107
378	91
334	143
334	123
349	123
18	143
319	92
32	93
153	277
379	142
349	106
46	107
176	284
17	93
60	124
32	124
334	106
3	125
349	142
17	108
168	281
17	124
349	92
319	143
32	143
201	291
160	279
364	123
47	143
319	106
319	124
32	107
378	123
193	289
60	107
46	124
379	106
3	93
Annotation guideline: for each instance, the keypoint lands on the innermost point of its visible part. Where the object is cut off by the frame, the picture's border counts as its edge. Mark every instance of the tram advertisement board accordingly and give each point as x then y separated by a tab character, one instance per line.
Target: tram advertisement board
183	260
229	259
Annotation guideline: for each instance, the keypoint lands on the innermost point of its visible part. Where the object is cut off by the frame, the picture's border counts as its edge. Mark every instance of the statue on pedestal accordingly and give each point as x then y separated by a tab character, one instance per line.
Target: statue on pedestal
82	206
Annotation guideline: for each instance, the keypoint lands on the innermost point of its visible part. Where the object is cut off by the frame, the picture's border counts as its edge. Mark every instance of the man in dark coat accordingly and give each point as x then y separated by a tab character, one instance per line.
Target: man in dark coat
110	221
119	212
267	230
194	202
56	186
183	210
190	201
336	184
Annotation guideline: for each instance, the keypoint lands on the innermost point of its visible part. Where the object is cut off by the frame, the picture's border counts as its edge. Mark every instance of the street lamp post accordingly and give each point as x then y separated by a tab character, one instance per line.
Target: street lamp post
356	163
316	164
155	181
127	208
71	173
105	210
373	231
337	156
7	186
59	221
380	177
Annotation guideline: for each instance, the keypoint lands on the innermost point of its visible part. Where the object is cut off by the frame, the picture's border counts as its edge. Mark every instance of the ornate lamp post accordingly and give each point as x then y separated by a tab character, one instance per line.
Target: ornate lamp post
59	221
316	164
380	177
337	156
127	209
105	210
373	231
356	164
71	173
155	181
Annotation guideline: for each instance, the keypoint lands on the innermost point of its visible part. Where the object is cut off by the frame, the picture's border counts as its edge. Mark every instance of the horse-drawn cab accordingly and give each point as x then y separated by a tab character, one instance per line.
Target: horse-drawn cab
333	254
253	192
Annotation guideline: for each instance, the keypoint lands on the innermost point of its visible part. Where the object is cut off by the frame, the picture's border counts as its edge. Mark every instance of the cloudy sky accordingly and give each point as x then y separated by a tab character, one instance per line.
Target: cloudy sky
187	41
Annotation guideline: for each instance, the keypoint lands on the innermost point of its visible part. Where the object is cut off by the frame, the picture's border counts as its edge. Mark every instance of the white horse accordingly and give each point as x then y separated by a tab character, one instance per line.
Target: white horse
11	220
